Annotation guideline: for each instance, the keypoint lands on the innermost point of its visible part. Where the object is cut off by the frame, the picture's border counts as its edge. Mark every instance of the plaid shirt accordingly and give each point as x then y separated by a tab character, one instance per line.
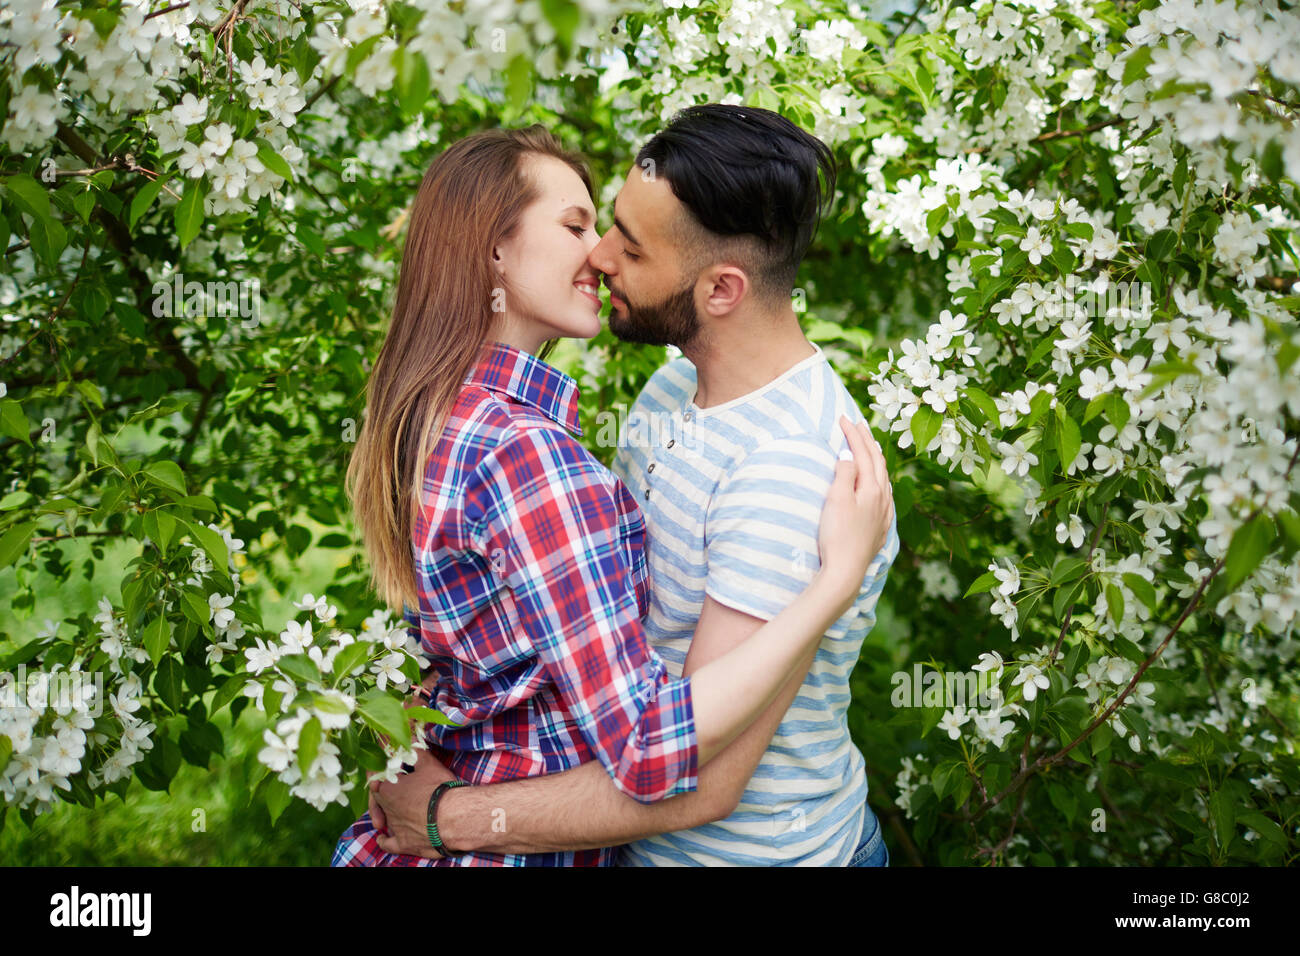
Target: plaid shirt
532	580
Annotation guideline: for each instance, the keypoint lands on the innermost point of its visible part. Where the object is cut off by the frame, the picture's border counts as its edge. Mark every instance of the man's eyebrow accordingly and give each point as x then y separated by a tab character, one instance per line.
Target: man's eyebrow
623	229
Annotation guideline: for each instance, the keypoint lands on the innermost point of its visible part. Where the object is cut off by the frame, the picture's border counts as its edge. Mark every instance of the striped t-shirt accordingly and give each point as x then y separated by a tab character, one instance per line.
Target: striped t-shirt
732	496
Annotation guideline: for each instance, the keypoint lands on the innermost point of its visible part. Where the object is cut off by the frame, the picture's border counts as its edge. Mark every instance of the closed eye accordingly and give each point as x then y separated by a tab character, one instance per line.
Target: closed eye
578	230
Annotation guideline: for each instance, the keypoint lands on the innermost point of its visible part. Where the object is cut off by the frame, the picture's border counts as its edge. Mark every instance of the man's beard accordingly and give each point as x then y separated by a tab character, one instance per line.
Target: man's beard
670	322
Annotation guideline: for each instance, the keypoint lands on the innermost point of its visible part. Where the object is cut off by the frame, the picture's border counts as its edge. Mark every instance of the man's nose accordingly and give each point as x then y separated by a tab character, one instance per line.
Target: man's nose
600	258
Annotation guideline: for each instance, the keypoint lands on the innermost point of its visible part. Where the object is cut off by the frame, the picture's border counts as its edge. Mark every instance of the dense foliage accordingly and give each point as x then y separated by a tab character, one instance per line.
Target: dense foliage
1060	268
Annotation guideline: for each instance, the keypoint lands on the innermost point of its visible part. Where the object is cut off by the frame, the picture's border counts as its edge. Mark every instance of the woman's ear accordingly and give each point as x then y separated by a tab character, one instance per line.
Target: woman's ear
497	262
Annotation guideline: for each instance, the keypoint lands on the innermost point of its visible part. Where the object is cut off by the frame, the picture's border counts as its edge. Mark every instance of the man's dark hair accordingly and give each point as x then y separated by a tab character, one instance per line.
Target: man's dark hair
749	180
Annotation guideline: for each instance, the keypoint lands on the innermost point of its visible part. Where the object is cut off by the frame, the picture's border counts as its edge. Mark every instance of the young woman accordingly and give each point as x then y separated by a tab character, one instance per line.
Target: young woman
517	555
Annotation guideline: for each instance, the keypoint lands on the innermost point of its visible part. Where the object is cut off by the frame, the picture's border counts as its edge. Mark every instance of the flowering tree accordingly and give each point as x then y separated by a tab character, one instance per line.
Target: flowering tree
1060	269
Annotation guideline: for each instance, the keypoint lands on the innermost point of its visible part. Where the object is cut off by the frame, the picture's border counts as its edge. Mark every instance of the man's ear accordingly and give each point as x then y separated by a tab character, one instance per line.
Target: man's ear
725	287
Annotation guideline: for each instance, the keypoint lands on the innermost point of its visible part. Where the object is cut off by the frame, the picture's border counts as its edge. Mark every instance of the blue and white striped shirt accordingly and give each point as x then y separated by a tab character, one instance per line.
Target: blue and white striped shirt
732	496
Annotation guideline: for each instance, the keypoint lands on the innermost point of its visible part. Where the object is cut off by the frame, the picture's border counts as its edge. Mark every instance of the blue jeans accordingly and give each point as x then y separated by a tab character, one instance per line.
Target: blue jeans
873	851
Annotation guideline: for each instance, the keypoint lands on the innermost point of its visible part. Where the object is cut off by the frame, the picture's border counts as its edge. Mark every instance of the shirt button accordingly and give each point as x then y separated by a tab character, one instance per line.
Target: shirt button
686	417
671	442
652	467
647	494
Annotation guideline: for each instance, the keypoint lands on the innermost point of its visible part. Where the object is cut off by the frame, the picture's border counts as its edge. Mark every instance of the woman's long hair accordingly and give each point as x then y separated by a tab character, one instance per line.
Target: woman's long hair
471	198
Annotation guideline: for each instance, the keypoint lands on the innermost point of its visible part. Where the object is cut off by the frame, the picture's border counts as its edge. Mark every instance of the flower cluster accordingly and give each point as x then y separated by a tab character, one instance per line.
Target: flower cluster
323	701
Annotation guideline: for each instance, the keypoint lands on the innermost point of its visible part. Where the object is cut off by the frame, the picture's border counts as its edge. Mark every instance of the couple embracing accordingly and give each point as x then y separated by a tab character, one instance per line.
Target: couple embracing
648	667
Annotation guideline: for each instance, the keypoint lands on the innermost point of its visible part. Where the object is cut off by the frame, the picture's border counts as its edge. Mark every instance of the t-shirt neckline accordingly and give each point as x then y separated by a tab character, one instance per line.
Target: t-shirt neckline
799	366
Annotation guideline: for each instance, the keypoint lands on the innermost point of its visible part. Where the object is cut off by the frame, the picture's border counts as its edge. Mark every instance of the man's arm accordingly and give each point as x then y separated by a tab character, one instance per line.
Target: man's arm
581	808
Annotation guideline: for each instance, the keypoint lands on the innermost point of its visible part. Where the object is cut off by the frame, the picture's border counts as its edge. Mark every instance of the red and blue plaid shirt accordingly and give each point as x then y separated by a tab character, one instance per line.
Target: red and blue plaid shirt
532	580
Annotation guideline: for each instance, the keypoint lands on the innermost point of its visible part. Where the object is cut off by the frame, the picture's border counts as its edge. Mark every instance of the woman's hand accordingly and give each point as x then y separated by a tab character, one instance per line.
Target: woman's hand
858	511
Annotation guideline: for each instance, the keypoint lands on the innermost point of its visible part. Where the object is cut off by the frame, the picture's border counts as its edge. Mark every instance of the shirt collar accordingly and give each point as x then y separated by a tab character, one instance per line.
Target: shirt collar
527	379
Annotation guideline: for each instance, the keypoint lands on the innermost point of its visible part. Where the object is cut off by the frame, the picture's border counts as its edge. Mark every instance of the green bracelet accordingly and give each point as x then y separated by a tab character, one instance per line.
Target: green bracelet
432	825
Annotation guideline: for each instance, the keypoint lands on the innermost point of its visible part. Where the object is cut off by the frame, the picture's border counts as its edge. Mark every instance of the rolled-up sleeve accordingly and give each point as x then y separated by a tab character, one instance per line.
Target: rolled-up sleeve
545	515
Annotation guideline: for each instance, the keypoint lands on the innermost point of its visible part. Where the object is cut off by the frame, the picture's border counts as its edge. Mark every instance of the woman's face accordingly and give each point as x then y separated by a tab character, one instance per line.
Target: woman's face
548	290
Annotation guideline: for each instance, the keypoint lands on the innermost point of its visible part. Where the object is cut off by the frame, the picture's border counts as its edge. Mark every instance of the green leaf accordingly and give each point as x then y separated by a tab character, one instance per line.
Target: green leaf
1063	258
300	667
519	82
6	748
84	203
1287	520
1134	721
31	195
168	474
981	584
330	705
189	212
1064	799
413	81
1065	597
273	160
1115	603
16	499
385	715
1069	441
1135	67
1266	828
1074	660
1038	406
1224	815
277	797
230	689
168	682
348	659
14	543
199	741
13	422
48	239
943	776
157	638
144	198
1249	544
430	716
160	765
1141	588
195	607
311	240
925	424
211	542
984	403
309	739
1116	409
166	528
935	219
1151	273
1161	244
296	539
1067	569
